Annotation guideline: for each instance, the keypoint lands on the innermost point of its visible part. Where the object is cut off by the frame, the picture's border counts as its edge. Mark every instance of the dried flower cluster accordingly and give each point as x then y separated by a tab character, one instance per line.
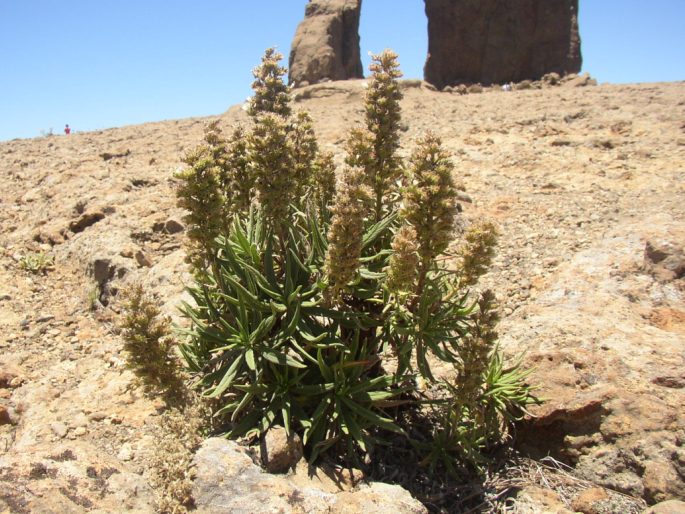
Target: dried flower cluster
177	436
347	225
147	340
271	94
404	261
429	198
324	182
383	115
477	251
198	192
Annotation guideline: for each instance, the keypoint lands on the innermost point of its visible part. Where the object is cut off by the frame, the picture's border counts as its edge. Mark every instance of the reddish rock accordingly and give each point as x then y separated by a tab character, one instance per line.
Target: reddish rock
6	378
589	500
533	498
281	452
491	41
664	259
86	220
326	44
5	418
662	482
142	259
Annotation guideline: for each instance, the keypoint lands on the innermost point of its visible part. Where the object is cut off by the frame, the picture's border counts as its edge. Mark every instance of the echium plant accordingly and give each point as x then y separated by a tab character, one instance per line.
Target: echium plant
319	306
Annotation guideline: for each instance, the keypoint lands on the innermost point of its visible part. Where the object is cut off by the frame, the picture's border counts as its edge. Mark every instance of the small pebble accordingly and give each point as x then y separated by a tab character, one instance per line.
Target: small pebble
59	429
97	416
125	453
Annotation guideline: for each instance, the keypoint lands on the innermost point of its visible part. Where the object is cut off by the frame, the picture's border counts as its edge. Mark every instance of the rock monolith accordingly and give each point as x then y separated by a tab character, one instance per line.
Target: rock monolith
326	44
500	41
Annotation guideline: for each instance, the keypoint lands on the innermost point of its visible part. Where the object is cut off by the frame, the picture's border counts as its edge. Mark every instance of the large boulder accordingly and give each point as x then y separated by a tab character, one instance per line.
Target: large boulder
228	481
499	41
326	44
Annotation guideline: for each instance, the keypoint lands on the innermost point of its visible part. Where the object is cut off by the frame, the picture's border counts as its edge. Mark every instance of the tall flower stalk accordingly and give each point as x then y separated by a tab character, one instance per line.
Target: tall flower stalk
429	201
382	119
271	93
345	234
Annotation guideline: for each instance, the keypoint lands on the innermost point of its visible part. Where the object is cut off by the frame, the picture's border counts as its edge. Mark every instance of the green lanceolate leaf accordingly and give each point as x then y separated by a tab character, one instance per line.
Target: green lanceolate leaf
353	427
317	418
263	329
294	320
282	359
228	378
371	235
246	296
372	417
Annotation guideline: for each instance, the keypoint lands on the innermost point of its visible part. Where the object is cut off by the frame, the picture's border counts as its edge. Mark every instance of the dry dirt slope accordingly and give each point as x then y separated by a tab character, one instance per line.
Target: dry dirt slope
578	179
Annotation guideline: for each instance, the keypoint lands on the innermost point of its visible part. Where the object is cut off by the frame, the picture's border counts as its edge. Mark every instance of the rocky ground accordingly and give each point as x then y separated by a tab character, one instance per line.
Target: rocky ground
587	185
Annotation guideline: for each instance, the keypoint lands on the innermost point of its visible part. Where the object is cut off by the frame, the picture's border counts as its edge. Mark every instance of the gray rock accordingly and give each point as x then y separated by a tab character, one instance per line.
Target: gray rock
59	429
125	453
142	259
173	226
667	507
228	481
132	492
664	259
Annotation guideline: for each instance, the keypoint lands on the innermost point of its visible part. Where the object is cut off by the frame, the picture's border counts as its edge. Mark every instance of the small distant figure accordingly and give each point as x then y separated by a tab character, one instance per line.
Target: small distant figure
67	130
506	87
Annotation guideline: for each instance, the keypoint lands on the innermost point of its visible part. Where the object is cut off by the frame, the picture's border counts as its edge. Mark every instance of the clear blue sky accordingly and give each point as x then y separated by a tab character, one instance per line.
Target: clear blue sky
105	63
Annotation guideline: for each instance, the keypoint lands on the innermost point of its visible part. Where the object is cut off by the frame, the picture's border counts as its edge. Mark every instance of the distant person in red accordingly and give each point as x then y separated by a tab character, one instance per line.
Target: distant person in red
67	130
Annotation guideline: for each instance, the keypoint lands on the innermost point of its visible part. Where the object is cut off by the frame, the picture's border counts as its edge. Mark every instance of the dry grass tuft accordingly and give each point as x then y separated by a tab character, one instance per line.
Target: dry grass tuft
550	474
177	437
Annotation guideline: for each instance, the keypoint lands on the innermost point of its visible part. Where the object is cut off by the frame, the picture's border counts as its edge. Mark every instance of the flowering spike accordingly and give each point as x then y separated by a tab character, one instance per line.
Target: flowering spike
305	148
237	181
477	347
271	94
270	157
402	270
383	116
345	234
324	182
477	251
430	198
198	192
